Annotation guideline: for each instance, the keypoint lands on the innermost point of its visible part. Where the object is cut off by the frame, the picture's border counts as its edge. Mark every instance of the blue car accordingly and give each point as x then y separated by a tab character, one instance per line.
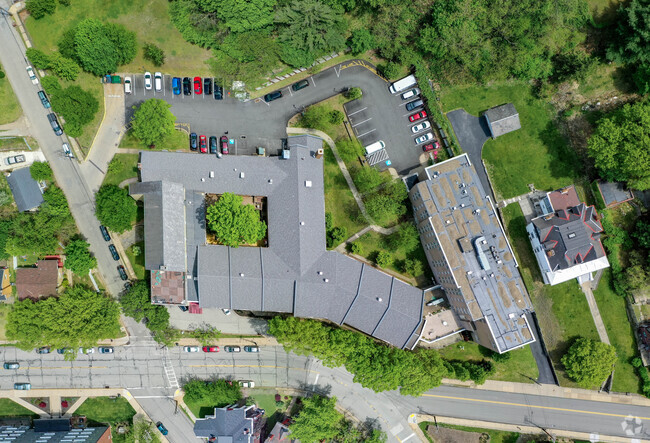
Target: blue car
176	85
162	428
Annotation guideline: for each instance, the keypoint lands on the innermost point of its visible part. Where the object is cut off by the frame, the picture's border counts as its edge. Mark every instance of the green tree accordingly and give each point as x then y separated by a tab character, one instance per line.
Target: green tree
631	44
50	84
63	67
94	50
336	117
78	257
40	171
115	209
32	234
570	65
38	58
77	106
387	203
589	362
241	16
368	179
136	303
615	146
296	57
55	204
124	42
353	93
154	54
384	259
336	235
406	238
5	198
213	394
40	8
66	45
361	40
412	266
233	222
153	122
78	317
388	70
356	248
316	117
318	420
642	233
6	225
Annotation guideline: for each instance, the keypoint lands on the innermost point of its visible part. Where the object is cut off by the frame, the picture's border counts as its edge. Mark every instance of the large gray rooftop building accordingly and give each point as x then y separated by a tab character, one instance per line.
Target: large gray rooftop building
294	273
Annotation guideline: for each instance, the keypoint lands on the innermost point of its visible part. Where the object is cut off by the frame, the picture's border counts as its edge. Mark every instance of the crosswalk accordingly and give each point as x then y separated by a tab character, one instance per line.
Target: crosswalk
169	371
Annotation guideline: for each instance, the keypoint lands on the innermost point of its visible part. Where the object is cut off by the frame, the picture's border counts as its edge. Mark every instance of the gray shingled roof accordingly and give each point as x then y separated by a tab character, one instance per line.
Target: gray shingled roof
614	193
502	119
25	189
295	273
227	425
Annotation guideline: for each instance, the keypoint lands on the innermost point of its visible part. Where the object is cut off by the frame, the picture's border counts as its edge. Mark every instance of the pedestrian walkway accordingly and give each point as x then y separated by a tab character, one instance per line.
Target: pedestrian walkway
595	313
17	128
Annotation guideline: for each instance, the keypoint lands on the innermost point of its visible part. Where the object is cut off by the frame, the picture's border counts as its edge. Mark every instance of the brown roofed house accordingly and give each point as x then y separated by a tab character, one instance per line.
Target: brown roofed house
37	282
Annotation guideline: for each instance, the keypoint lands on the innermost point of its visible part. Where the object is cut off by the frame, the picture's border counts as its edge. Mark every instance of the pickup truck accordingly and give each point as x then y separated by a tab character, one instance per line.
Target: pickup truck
32	76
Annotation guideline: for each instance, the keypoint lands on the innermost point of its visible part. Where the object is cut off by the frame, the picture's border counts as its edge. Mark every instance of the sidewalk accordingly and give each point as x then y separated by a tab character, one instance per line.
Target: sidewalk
595	313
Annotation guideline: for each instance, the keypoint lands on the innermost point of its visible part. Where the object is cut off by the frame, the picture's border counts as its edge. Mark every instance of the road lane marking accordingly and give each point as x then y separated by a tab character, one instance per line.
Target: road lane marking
252	366
550	408
355	112
407	438
64	367
360	123
314	81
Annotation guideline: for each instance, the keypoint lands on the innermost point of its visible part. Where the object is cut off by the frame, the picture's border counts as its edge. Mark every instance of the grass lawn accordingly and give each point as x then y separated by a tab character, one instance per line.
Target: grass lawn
94	85
106	410
265	399
137	261
4	312
537	153
178	140
604	79
11	110
521	367
563	312
495	436
9	408
17	143
127	167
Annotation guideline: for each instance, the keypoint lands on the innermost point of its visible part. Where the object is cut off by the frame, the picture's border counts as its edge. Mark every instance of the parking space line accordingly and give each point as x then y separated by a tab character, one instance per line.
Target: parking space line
314	82
289	89
163	86
355	112
360	123
366	133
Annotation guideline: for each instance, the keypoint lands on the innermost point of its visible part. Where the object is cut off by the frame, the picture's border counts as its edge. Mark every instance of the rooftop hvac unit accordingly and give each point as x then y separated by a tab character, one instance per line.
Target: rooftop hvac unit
319	153
307	183
211	174
242	175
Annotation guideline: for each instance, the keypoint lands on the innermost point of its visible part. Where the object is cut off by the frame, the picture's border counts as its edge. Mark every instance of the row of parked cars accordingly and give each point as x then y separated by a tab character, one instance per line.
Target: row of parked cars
200	143
252	349
201	85
419	117
47	350
114	253
302	84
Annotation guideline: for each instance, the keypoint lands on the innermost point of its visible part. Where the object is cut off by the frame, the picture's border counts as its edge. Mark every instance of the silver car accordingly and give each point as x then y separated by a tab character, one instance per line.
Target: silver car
11	365
15	159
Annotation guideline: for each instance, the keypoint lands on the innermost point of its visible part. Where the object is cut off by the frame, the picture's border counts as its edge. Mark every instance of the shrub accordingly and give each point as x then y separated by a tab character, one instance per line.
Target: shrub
38	58
40	8
40	171
50	84
336	117
63	67
388	70
384	259
360	41
354	93
154	54
356	248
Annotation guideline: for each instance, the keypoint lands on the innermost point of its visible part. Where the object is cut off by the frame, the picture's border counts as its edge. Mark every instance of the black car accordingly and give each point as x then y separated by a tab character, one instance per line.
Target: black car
272	96
193	141
105	233
183	308
213	144
122	272
207	86
187	86
414	104
55	124
43	350
218	91
114	253
302	84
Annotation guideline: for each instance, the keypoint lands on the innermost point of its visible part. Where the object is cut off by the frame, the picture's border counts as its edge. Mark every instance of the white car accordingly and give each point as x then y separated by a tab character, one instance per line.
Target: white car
66	150
227	311
147	80
86	350
190	349
424	138
247	384
411	93
127	85
157	81
32	76
421	127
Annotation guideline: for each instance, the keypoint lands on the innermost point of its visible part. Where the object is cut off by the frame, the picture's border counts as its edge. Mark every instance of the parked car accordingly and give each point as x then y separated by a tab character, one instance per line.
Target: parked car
218	91
32	76
213	145
410	106
105	234
176	85
122	272
15	159
190	349
420	127
187	86
302	84
105	349
44	100
43	350
411	93
210	348
207	86
197	86
86	351
417	116
251	349
272	96
226	311
203	144
224	145
183	308
431	146
163	430
232	349
63	350
127	85
147	81
11	365
22	386
55	124
157	81
424	138
193	144
247	384
66	150
114	253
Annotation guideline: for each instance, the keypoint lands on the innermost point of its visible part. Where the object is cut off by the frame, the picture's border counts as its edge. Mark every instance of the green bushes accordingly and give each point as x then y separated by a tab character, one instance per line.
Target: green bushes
154	54
215	394
115	208
642	371
478	372
388	204
62	67
77	106
40	8
334	235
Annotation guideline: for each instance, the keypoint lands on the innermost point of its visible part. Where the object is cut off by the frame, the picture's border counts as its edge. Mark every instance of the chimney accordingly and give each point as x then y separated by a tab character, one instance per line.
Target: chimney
319	153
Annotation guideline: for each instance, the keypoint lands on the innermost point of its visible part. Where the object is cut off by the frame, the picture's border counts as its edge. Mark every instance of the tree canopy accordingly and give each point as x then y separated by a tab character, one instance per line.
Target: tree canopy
115	209
589	362
213	394
40	171
78	258
241	16
40	8
78	317
136	303
100	48
620	146
77	106
234	223
318	420
153	122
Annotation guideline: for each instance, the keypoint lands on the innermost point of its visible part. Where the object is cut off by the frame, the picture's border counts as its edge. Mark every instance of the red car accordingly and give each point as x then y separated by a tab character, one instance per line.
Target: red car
224	144
198	89
203	144
418	116
430	146
210	348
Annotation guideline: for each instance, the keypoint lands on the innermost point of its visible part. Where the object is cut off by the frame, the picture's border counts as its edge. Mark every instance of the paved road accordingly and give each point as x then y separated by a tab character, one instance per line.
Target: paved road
67	173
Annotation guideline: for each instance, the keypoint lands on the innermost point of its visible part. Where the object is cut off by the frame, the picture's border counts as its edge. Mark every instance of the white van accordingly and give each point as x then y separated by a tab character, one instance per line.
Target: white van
402	84
157	81
376	146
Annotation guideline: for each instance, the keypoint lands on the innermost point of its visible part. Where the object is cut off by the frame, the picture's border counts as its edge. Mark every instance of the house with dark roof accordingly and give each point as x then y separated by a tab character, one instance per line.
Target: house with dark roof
57	430
566	238
614	193
294	272
502	119
231	424
37	282
470	255
26	191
